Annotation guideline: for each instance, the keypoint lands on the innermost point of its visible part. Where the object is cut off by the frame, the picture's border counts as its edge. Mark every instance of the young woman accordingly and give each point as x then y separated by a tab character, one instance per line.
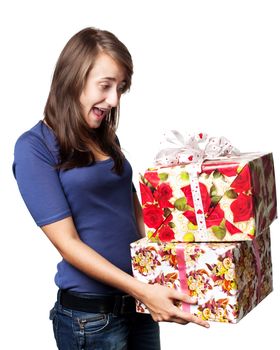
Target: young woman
78	187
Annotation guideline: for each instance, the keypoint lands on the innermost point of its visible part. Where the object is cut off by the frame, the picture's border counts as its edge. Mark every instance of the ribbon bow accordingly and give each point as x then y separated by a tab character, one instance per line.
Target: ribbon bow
176	149
187	150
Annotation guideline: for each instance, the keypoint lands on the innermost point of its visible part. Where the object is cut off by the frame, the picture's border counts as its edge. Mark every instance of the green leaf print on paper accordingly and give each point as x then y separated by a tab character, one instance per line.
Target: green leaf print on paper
217	174
231	194
189	237
166	212
185	176
213	191
163	176
181	204
216	199
219	232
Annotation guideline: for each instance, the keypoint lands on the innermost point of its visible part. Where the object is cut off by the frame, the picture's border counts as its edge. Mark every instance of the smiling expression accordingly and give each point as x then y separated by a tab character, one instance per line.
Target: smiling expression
104	86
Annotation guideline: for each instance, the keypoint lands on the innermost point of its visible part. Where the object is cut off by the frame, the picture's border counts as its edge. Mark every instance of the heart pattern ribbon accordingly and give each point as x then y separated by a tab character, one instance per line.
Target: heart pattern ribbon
177	149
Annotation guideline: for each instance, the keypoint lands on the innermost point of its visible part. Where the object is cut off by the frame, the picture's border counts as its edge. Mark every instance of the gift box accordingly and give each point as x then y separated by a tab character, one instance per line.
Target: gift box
227	199
228	279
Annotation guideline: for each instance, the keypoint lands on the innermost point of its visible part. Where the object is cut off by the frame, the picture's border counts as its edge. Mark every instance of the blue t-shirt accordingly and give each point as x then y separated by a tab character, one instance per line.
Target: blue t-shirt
99	200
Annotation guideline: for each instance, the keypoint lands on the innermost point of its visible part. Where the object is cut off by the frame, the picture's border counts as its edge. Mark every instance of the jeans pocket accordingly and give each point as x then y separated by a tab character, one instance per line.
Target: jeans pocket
92	323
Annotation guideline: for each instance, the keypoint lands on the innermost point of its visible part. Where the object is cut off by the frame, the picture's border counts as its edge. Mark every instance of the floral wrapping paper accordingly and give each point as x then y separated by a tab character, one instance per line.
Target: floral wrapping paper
238	197
229	279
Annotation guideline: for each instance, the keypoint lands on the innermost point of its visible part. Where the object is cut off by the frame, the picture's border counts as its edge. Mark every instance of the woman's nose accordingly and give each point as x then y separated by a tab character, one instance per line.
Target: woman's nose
113	98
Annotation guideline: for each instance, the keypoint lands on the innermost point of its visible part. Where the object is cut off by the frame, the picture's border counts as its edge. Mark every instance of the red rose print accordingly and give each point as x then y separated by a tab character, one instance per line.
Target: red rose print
164	191
206	200
146	194
227	169
242	208
243	181
152	177
190	215
168	219
163	194
153	216
165	234
231	228
215	217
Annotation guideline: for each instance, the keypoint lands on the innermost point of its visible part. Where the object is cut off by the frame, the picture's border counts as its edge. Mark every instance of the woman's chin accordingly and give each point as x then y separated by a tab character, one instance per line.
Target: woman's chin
94	123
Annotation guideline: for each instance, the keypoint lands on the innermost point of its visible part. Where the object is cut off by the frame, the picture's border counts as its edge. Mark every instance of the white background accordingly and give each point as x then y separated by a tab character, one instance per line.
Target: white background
210	66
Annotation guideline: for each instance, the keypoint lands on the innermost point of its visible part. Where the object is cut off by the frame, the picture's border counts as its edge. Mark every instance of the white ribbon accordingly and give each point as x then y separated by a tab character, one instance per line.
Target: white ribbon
193	150
177	149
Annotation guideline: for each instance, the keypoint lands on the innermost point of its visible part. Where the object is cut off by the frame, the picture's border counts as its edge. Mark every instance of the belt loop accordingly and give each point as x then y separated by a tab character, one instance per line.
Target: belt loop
127	304
123	304
117	305
59	296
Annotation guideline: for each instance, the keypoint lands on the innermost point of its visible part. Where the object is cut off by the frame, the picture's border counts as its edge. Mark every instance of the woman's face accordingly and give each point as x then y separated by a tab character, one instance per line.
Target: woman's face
103	89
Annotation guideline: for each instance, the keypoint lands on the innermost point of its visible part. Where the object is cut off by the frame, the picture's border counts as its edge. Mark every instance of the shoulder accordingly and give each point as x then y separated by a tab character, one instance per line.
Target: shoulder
38	133
38	141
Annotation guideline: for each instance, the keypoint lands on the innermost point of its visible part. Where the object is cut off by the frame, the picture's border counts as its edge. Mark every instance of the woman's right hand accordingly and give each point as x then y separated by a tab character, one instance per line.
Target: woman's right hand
160	301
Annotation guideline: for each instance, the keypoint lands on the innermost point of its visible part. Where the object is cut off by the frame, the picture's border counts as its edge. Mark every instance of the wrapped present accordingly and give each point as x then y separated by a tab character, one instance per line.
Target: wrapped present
228	279
231	198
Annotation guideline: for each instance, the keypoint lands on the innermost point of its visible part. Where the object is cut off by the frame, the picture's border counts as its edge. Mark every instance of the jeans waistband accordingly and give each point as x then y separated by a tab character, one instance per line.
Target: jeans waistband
116	304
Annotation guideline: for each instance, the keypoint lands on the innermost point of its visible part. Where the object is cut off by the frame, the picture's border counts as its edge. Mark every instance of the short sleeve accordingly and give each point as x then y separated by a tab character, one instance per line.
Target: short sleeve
38	180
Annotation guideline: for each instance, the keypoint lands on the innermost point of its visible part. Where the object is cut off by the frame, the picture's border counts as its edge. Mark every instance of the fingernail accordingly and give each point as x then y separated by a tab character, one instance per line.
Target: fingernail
193	299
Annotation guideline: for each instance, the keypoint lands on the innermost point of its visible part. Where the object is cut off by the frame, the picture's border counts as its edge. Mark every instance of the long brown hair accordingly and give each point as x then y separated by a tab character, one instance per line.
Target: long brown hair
63	111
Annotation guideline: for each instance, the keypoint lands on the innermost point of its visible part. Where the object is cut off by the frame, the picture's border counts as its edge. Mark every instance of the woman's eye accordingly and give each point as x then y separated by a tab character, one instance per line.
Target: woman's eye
122	88
105	86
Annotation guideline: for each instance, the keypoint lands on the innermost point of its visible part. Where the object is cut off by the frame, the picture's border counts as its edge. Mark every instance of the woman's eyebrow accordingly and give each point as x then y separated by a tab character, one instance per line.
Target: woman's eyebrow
108	78
112	79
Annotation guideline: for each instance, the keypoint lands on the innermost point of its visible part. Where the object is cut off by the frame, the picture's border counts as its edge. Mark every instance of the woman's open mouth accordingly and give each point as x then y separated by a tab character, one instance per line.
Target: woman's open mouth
99	112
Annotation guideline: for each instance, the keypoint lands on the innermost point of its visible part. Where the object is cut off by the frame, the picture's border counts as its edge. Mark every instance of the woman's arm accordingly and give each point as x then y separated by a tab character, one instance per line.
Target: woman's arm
138	215
158	299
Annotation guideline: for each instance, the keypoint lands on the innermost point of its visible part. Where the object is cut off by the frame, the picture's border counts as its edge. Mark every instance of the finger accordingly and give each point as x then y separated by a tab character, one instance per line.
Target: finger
190	300
179	321
184	297
187	317
169	318
199	321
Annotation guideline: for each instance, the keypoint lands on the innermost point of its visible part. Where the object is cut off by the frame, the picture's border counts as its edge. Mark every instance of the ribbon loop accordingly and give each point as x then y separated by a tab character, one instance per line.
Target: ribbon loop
193	150
177	148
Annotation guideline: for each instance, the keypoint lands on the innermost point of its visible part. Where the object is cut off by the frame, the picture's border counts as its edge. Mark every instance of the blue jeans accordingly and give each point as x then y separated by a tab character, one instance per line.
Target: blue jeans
77	330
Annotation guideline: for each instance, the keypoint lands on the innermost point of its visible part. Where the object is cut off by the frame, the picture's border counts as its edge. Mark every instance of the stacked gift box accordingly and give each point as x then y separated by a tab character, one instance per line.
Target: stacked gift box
225	259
